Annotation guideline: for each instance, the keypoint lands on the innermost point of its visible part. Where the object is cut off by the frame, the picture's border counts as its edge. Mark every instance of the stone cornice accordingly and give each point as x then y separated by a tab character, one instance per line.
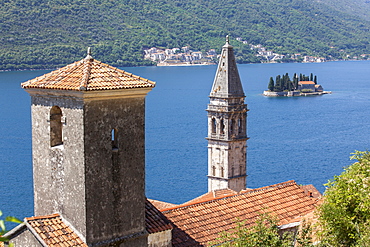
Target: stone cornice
91	95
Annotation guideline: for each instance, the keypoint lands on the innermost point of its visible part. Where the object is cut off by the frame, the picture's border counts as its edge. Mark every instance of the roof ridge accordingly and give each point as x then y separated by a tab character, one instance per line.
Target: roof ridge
42	217
269	186
86	73
290	182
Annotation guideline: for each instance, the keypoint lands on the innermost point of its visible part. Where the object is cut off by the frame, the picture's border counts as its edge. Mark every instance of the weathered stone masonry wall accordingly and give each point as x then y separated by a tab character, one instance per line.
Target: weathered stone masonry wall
99	190
59	171
116	206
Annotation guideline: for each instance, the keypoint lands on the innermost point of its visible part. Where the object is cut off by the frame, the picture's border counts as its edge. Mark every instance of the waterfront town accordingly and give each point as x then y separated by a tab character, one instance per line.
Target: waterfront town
186	56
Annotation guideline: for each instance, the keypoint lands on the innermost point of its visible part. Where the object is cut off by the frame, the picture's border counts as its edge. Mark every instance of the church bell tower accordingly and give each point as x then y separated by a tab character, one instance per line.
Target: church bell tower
89	150
227	132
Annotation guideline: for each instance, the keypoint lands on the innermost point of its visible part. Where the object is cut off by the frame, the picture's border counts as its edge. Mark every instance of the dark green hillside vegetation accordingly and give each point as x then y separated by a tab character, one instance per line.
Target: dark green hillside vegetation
48	34
359	8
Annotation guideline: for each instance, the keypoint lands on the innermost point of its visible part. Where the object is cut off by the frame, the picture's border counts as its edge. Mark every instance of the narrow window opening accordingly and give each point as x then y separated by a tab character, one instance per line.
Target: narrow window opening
232	126
232	171
241	170
56	126
213	171
114	139
222	172
222	127
213	126
240	126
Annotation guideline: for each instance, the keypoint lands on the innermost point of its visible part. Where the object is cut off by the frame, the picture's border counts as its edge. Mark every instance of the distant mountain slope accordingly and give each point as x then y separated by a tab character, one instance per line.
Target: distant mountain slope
360	8
45	34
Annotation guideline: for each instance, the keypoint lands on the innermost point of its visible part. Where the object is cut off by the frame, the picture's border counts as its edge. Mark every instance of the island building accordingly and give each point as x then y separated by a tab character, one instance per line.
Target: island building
304	88
309	86
89	174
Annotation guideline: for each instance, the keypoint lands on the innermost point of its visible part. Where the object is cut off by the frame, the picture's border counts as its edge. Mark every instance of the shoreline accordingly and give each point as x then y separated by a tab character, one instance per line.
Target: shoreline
183	64
293	94
179	65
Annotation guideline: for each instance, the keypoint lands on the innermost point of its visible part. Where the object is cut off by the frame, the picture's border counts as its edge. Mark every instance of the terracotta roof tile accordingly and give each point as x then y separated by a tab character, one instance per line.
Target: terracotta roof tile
209	196
54	231
201	222
311	191
155	221
161	205
88	75
307	82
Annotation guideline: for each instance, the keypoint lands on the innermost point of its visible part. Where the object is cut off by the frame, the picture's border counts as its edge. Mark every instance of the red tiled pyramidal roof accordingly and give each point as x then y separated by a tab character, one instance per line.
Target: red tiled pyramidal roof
54	231
202	222
88	74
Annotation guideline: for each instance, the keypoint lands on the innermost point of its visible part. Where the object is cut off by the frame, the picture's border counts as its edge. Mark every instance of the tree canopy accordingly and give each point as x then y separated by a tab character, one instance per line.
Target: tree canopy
264	233
344	215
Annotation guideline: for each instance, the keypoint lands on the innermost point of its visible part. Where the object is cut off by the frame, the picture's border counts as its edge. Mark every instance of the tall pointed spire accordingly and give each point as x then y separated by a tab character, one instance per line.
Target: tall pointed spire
227	130
227	81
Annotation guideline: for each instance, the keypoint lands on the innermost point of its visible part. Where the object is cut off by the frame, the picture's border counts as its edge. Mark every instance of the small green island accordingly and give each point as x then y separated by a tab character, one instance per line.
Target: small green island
301	85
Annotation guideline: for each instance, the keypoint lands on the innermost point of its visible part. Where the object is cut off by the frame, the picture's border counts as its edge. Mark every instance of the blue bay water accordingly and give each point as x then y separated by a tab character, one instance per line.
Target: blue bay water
308	139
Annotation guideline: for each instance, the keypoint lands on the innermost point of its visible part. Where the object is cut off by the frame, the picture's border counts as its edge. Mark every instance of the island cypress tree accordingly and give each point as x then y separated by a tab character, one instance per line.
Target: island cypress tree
271	85
315	80
311	77
295	81
278	84
289	85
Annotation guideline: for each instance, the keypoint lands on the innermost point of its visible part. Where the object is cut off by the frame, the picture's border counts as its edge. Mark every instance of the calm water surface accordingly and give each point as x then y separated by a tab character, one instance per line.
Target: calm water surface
308	139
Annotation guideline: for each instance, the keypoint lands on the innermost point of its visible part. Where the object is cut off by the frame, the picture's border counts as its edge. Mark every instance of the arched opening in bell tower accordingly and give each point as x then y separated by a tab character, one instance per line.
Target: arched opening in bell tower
222	127
56	126
213	126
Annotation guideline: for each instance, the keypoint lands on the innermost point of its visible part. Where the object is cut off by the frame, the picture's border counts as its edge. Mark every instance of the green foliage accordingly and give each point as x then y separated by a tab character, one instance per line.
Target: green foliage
47	34
359	8
345	211
3	228
264	233
283	83
271	85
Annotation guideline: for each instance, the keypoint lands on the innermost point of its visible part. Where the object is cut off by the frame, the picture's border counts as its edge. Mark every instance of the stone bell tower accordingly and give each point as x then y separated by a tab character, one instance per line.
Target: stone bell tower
227	132
88	150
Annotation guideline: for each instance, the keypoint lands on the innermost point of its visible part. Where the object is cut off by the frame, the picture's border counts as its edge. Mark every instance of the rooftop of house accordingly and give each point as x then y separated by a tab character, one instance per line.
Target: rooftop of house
88	74
161	205
202	222
54	230
155	221
210	196
311	191
306	82
50	230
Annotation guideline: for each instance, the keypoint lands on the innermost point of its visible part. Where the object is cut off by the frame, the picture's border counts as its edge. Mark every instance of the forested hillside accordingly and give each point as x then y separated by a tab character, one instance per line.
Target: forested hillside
359	8
48	34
